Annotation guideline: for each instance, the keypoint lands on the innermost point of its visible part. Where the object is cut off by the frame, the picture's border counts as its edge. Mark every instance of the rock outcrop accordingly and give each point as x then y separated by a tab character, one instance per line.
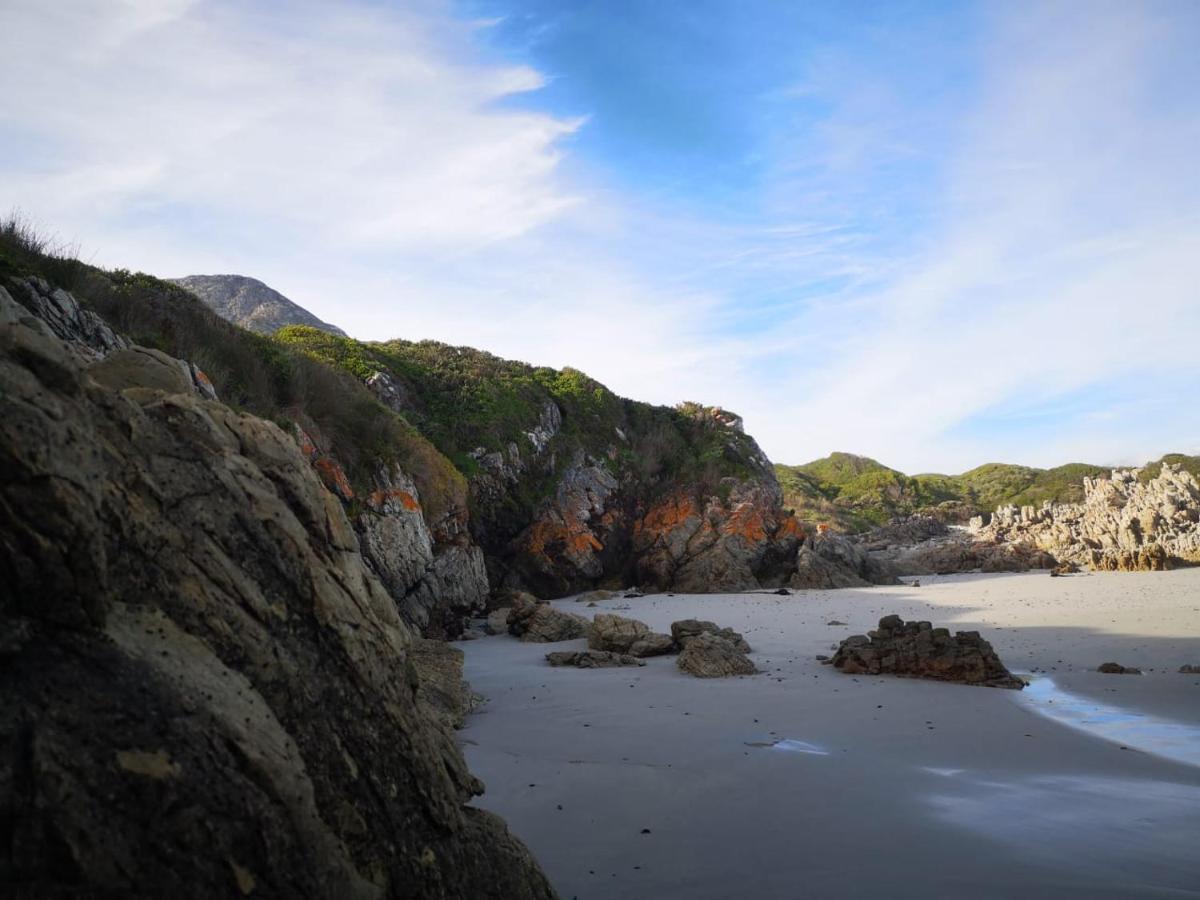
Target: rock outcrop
918	650
709	656
250	303
1124	522
592	659
536	621
827	560
205	690
617	634
685	630
1112	668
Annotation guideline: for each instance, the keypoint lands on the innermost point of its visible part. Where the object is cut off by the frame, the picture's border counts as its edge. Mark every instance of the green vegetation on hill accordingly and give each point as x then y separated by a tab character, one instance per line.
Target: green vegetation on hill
854	493
251	372
464	400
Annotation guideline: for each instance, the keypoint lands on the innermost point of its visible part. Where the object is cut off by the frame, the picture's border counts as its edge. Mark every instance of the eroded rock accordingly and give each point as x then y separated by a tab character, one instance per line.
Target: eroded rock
685	630
1112	668
621	635
536	621
709	656
918	650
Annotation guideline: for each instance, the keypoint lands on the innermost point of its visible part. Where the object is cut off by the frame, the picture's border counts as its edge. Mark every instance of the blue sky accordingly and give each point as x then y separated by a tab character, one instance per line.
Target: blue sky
940	234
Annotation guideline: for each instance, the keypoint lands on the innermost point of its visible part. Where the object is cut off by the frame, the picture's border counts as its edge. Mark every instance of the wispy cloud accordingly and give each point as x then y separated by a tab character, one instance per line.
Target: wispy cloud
921	255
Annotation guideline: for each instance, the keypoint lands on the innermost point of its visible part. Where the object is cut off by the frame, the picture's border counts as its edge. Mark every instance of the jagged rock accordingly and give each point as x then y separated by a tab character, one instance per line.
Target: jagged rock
83	331
686	629
497	621
592	659
918	650
1112	668
1065	569
829	560
710	656
205	689
536	621
442	690
695	544
1122	524
621	635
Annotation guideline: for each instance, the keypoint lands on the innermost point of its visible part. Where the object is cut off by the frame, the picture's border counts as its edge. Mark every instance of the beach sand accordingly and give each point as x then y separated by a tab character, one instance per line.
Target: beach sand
804	782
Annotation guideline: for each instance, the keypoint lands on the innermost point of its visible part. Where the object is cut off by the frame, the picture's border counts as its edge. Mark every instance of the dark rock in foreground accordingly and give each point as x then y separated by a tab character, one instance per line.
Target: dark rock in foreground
710	656
204	690
918	650
591	659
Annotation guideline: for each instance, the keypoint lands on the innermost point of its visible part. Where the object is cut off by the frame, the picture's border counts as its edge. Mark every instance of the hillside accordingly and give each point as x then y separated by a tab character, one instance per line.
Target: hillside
466	475
250	303
854	493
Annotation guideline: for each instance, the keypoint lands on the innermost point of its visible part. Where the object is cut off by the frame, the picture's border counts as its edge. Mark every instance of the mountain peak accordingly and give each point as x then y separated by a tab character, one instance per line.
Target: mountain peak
248	302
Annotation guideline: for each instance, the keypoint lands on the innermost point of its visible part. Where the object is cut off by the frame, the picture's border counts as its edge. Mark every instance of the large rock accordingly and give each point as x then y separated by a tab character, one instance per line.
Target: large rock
918	650
1125	522
205	690
828	560
685	630
710	656
536	621
618	634
592	659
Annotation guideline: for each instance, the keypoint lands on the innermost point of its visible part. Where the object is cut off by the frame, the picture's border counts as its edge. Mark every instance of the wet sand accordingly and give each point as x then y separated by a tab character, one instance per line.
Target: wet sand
645	782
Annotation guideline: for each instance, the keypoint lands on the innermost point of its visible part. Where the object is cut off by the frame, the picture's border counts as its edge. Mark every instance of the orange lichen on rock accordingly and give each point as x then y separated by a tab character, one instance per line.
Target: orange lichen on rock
334	478
790	527
573	535
378	499
748	521
668	515
307	446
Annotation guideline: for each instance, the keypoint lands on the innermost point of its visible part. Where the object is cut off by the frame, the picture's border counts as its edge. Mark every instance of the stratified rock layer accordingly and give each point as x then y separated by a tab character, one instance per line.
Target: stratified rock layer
204	690
1123	523
918	650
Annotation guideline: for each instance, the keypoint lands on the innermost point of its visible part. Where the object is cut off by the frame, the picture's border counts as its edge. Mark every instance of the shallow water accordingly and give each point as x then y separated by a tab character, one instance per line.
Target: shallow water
1177	741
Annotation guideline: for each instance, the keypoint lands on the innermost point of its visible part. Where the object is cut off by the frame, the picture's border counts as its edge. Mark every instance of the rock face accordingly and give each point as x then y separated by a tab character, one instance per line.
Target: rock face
592	659
710	656
918	650
536	621
250	303
685	630
616	634
827	559
205	690
923	545
1123	523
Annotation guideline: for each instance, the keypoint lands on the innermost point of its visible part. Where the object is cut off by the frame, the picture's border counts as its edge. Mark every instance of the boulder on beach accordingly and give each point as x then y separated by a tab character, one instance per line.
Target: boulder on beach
685	629
497	621
1189	670
708	655
1112	668
536	621
592	659
621	635
918	650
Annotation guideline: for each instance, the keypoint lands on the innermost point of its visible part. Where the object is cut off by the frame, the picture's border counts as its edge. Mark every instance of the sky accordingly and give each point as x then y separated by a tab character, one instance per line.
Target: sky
935	233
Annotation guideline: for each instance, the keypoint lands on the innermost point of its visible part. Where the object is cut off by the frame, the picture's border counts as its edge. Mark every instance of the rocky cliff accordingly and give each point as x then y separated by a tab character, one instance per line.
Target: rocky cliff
1124	522
572	487
250	303
205	689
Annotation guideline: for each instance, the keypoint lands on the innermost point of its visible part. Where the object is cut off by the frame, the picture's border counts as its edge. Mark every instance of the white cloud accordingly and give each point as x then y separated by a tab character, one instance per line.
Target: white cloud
374	166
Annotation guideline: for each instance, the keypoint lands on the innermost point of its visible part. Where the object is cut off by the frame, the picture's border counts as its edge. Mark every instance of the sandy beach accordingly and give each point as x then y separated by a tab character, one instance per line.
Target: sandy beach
803	781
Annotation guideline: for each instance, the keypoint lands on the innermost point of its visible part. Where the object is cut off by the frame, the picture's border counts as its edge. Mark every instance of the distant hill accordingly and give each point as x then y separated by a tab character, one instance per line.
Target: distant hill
250	303
854	493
